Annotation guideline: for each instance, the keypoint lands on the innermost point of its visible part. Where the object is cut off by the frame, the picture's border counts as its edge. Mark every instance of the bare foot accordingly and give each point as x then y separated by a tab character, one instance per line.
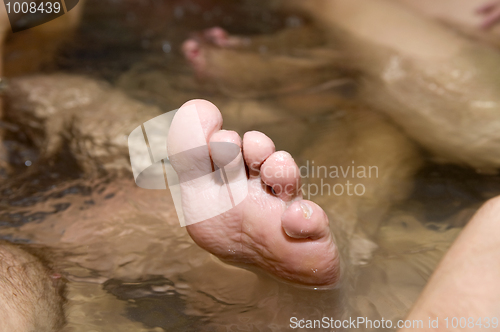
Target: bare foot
272	227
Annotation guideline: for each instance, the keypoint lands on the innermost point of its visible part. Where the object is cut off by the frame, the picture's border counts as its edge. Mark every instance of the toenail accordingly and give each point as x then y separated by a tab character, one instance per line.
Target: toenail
306	209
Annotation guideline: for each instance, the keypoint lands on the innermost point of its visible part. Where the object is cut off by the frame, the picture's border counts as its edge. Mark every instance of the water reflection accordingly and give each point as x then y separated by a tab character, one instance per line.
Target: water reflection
129	266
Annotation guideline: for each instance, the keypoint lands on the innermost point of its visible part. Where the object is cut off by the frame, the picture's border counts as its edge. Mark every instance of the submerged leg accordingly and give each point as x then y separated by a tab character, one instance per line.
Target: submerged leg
465	284
30	296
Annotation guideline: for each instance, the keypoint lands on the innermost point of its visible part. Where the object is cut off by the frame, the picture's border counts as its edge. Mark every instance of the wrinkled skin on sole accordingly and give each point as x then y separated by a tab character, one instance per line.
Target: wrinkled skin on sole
276	231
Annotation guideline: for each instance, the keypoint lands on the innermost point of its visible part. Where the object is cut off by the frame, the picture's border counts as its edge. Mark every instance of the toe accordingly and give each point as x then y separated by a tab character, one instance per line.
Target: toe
193	125
225	150
487	7
216	35
221	38
491	19
305	219
191	49
280	172
257	147
193	52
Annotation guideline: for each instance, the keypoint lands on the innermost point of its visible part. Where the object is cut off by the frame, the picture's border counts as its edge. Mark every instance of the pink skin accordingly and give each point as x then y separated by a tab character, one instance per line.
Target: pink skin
491	13
194	54
193	47
280	233
221	37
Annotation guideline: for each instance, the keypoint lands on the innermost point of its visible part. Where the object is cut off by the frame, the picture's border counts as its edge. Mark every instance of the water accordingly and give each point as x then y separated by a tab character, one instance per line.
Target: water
128	264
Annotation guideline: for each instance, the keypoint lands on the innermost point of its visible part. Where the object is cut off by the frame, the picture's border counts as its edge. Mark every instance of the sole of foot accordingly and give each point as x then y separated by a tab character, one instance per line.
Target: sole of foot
266	224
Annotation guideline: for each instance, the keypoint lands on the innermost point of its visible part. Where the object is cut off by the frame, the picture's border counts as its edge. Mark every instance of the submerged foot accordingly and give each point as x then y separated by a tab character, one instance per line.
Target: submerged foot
195	47
268	225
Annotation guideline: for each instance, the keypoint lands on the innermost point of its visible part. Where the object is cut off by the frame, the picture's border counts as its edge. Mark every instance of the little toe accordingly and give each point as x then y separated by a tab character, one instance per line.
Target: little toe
280	172
257	147
305	219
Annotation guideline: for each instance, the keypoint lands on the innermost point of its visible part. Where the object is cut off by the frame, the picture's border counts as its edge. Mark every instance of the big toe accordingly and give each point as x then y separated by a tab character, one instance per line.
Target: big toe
207	160
193	125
